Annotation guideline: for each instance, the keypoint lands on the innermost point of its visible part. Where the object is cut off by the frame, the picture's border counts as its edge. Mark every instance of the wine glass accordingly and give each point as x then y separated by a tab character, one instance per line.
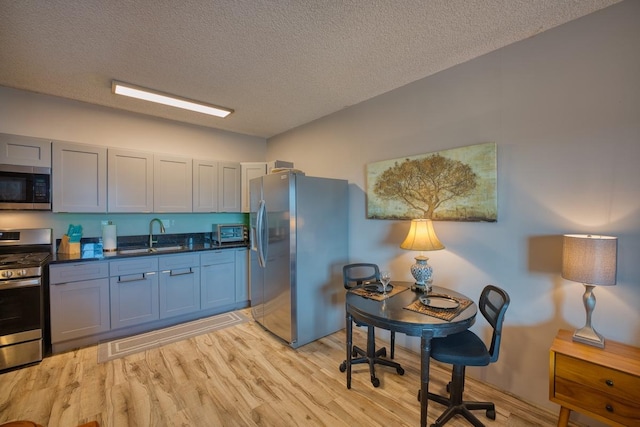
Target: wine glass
385	278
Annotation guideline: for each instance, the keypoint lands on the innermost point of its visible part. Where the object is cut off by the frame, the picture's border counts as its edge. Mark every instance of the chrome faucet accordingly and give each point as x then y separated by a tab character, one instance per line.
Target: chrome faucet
162	230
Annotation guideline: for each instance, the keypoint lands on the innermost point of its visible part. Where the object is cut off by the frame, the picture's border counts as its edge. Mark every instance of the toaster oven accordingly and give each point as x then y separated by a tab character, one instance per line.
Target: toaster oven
229	233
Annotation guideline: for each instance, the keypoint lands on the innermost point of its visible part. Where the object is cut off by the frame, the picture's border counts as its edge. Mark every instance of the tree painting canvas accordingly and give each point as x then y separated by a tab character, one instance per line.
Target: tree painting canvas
459	184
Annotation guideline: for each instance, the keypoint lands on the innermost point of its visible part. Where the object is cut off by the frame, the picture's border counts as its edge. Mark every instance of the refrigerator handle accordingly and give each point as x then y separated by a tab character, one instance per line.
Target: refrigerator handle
260	234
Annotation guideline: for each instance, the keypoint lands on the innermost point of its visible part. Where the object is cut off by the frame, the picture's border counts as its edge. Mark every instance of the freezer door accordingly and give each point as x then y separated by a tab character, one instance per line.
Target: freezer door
277	313
256	272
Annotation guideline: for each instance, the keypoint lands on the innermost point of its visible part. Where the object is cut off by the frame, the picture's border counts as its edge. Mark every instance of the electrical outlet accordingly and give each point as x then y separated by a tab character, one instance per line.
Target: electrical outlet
167	223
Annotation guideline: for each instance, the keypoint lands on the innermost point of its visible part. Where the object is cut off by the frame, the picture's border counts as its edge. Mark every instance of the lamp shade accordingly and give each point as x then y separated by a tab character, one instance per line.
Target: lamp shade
422	237
590	259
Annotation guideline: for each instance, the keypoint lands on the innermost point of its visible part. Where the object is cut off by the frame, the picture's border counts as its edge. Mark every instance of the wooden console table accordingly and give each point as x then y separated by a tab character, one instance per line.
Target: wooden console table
603	383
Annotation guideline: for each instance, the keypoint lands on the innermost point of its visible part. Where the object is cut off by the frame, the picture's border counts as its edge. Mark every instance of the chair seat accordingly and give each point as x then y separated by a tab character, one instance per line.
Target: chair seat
464	348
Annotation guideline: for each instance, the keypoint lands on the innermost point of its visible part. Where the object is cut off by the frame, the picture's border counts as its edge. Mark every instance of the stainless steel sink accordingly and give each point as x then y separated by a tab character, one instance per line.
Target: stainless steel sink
167	248
133	251
150	250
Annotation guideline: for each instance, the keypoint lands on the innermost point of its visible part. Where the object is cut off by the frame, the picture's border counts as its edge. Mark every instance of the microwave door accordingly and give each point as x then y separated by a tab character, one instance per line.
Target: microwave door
13	189
24	188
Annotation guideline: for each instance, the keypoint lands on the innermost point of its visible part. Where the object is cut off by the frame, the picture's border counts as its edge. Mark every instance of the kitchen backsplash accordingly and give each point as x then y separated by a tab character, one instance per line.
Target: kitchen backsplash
127	224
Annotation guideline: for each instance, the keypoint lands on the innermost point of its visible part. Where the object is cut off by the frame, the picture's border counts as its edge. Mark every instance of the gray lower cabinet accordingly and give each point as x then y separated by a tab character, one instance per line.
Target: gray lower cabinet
218	281
79	300
179	284
97	300
134	291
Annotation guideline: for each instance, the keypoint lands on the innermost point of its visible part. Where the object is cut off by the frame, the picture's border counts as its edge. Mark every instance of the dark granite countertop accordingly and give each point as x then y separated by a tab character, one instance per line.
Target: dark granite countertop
136	246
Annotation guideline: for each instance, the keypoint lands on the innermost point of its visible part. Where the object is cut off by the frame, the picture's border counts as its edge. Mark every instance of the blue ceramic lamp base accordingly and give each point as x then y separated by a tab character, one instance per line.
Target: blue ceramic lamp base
422	272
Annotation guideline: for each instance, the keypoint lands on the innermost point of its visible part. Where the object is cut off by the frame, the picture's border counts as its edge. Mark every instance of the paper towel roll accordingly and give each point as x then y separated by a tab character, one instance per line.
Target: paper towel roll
109	238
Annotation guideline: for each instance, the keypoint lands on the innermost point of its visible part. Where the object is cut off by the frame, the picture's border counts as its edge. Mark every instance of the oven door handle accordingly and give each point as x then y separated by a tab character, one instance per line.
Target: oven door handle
12	284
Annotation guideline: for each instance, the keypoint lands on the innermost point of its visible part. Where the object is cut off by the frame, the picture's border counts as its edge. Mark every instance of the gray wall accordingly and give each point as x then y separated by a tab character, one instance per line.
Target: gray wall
25	113
564	110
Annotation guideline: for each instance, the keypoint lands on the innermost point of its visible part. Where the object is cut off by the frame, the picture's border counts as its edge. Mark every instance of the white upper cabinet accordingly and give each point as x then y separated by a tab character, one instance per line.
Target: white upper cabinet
88	178
249	170
172	184
79	177
130	181
24	151
228	187
205	186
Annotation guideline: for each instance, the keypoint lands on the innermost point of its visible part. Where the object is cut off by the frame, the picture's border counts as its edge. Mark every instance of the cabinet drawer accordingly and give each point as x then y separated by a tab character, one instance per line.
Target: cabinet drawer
578	396
143	264
601	379
217	257
169	262
64	273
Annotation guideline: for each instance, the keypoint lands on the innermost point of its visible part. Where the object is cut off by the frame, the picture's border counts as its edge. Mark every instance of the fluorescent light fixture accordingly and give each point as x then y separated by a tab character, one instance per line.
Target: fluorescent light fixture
132	91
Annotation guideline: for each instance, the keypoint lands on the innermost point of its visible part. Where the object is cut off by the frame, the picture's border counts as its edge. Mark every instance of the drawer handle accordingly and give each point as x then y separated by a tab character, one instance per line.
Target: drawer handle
138	279
609	408
135	279
609	383
172	274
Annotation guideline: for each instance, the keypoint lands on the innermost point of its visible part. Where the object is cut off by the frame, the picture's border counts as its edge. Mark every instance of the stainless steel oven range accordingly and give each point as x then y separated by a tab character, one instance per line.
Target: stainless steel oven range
23	258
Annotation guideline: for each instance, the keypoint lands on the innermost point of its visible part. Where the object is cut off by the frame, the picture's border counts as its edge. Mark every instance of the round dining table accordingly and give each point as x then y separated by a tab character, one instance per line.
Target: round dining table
391	314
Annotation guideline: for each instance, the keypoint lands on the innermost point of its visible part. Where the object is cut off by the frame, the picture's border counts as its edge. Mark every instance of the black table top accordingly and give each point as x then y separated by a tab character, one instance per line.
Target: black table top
391	313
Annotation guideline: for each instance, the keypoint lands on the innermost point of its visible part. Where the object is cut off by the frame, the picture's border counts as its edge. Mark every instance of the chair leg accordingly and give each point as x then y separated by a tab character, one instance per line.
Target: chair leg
393	344
372	357
455	404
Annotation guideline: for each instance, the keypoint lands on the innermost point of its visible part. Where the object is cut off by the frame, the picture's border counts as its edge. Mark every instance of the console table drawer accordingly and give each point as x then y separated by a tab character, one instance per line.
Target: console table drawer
609	406
601	379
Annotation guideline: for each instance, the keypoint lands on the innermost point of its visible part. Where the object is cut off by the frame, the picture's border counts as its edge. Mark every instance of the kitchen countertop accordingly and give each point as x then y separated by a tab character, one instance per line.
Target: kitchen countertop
91	248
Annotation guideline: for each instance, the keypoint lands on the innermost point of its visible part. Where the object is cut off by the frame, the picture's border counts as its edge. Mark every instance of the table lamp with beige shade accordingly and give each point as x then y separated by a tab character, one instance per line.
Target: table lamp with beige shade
590	260
422	237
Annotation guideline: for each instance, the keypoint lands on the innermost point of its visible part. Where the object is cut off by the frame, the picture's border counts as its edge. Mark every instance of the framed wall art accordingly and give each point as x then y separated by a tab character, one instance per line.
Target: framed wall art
459	184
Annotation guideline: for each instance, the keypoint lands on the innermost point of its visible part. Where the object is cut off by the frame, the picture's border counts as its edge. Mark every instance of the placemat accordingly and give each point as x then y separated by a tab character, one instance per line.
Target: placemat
440	313
378	296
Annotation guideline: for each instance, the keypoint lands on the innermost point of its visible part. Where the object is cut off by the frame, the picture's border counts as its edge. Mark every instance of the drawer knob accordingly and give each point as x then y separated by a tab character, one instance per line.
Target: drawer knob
609	408
609	383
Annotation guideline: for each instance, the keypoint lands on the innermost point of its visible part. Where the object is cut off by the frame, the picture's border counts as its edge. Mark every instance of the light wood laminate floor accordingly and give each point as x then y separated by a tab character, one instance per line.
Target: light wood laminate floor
239	376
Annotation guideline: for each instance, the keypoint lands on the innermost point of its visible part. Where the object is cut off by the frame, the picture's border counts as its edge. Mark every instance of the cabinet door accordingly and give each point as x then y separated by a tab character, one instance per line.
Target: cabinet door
134	291
248	171
79	177
130	181
205	186
172	184
242	282
134	299
179	291
228	187
218	281
79	309
179	284
24	151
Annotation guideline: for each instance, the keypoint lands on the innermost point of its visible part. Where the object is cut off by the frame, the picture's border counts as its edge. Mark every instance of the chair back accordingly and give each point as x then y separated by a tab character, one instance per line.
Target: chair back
356	274
493	305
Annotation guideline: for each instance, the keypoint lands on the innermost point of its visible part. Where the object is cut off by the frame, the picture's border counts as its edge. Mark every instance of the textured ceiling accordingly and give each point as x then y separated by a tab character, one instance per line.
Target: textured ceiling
278	63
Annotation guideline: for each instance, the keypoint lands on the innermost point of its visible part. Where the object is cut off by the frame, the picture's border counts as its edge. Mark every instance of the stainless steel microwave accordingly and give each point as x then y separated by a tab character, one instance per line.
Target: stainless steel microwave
25	188
229	233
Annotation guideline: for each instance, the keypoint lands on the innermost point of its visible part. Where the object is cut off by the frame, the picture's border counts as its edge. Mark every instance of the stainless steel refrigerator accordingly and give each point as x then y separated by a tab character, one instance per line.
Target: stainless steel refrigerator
298	231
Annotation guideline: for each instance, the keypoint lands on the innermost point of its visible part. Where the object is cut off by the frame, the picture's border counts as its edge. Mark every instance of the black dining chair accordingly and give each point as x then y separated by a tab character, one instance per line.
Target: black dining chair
355	275
467	349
